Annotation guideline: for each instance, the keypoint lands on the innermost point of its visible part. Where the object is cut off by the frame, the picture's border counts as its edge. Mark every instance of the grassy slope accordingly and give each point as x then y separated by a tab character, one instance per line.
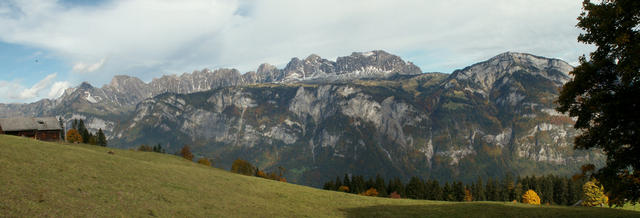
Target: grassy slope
51	179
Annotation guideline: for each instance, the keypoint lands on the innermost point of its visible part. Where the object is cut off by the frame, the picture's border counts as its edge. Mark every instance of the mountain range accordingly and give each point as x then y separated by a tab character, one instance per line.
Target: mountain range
364	114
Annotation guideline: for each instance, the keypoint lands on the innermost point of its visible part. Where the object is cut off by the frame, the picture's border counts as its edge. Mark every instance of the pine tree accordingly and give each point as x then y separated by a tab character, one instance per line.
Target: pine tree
357	185
83	132
547	189
102	139
415	188
395	185
330	185
369	183
507	188
479	191
447	192
433	190
61	123
517	191
346	181
458	191
338	183
380	186
92	139
560	191
575	191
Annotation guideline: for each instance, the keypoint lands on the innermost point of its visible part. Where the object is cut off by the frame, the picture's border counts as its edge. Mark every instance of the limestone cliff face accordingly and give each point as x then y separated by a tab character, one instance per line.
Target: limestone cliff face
115	100
493	117
366	113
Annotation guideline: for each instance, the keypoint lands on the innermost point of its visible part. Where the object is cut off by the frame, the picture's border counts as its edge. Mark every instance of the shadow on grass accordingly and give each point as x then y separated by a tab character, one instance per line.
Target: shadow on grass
484	210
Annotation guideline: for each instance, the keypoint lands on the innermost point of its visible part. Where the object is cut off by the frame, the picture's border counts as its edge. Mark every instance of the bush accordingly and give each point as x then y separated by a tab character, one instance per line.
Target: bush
343	188
242	167
145	148
395	195
531	197
204	161
186	153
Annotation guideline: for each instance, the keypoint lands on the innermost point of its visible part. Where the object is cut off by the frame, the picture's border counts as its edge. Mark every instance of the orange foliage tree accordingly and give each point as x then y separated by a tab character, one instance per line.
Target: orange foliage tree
531	197
370	192
277	176
186	153
74	136
343	188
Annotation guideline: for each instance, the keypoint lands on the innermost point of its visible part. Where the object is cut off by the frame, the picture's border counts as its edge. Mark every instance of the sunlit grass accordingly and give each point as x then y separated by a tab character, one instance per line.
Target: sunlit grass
53	179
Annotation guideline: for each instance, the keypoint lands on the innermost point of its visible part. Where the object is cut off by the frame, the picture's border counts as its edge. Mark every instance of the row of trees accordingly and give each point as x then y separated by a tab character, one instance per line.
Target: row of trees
551	189
244	167
80	134
157	148
185	152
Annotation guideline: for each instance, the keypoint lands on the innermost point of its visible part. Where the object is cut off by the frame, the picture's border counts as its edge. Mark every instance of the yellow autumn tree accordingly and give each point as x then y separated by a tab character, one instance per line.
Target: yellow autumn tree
74	136
531	197
594	194
467	195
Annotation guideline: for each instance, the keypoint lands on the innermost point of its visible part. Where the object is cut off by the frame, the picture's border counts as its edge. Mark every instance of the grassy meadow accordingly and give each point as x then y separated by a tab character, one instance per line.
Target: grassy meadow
43	179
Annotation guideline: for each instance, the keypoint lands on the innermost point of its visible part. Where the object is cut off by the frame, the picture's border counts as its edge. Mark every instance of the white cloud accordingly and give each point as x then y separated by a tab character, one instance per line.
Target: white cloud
36	89
88	68
13	91
146	38
57	89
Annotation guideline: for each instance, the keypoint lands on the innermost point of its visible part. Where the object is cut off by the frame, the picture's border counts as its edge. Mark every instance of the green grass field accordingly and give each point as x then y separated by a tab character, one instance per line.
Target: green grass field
52	180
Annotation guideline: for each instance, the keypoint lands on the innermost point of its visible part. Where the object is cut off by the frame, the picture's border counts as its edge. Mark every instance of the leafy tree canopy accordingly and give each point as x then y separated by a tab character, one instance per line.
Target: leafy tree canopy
604	93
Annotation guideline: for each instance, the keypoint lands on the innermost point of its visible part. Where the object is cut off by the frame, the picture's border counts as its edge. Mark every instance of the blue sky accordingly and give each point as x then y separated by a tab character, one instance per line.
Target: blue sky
47	46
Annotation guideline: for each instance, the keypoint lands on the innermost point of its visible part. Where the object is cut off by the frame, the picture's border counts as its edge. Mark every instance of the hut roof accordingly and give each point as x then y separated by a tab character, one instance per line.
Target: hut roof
29	123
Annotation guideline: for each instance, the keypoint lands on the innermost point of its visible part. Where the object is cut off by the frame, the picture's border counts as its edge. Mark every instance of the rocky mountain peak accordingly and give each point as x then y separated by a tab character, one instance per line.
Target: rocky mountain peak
85	85
483	75
531	60
313	58
124	81
263	68
376	62
373	64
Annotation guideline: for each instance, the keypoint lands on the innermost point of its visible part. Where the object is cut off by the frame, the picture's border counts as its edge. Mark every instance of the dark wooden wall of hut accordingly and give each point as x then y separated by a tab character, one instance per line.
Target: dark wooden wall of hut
24	133
45	135
48	135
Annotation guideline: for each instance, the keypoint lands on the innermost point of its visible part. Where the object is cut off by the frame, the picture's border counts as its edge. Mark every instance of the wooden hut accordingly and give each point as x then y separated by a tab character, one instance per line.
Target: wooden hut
41	128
